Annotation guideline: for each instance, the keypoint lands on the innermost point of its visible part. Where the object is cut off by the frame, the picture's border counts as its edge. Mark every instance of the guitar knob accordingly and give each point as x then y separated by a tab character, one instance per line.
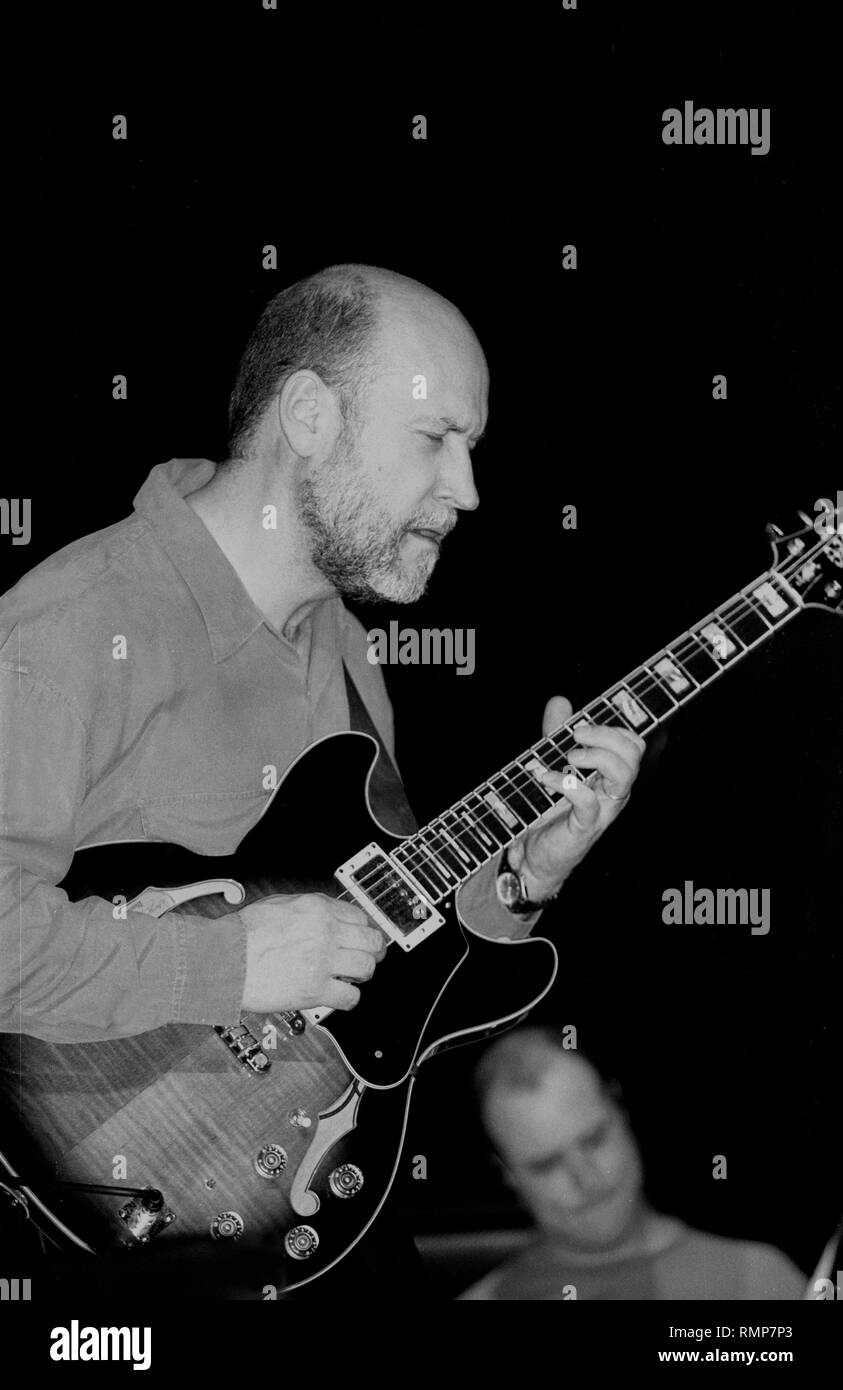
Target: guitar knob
271	1161
227	1226
301	1242
346	1181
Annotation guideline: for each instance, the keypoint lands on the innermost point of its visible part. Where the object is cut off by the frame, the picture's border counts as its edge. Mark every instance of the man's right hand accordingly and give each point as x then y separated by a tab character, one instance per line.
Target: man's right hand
302	951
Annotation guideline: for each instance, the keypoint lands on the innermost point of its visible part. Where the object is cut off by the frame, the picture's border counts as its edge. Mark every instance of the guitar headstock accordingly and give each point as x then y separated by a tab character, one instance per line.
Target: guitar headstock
811	557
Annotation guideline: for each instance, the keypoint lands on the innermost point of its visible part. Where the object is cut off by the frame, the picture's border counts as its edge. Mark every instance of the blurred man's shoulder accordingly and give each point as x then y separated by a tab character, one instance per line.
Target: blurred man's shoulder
728	1268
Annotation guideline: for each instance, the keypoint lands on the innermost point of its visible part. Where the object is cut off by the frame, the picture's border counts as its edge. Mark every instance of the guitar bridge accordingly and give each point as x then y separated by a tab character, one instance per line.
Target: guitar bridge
390	897
245	1047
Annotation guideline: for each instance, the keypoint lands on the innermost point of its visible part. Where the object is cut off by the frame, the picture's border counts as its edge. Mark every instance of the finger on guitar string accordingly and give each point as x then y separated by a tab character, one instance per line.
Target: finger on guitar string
583	803
627	745
617	774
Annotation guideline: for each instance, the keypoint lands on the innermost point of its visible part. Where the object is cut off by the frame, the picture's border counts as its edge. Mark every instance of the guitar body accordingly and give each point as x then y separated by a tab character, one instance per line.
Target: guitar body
294	1161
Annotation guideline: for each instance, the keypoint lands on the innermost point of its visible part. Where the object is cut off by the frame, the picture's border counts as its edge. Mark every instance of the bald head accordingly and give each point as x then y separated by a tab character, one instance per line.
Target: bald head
346	323
565	1144
520	1062
388	286
359	399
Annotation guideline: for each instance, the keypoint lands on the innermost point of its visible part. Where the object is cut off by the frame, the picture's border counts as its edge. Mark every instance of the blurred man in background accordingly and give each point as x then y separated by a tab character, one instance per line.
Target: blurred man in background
568	1151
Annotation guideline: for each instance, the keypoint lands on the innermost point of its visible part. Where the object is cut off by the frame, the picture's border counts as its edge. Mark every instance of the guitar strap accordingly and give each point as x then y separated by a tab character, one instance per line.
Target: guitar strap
387	797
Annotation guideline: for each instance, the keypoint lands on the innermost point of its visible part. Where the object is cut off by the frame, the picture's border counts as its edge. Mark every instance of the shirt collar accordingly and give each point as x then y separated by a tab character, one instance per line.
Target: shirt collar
229	614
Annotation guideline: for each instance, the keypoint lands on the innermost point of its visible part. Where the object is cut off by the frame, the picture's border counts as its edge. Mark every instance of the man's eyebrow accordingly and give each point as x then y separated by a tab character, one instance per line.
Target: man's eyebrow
555	1156
547	1160
449	424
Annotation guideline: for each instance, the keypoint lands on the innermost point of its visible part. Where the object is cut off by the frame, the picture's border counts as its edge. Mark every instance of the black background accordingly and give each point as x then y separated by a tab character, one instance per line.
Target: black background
143	257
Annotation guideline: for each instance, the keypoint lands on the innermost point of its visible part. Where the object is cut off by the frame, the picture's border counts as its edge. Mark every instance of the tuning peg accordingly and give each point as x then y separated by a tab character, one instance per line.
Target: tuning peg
773	532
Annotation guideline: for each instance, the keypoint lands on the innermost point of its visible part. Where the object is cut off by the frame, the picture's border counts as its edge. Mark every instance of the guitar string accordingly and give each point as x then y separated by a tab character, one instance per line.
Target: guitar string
415	854
730	615
516	790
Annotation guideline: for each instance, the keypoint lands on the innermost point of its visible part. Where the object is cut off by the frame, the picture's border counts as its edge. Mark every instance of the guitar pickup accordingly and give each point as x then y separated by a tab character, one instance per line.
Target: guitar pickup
390	897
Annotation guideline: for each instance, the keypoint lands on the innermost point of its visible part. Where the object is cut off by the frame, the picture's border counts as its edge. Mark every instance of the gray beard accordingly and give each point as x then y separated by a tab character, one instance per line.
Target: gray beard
354	541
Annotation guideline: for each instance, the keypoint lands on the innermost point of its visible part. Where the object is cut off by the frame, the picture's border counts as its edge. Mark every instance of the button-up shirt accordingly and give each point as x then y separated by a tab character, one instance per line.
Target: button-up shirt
142	696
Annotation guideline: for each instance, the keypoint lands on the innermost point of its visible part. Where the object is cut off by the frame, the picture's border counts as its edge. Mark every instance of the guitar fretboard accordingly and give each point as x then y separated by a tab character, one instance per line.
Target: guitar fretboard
446	852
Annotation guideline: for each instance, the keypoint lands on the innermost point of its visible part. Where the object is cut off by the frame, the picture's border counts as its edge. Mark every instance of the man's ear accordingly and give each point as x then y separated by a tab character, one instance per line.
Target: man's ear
614	1091
307	413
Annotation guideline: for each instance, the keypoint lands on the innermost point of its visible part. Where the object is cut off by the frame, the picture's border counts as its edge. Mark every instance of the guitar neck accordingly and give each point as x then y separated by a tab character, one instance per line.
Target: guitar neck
445	853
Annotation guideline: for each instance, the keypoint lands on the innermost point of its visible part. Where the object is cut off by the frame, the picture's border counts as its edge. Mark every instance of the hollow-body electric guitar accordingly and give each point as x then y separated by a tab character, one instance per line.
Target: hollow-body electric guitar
283	1132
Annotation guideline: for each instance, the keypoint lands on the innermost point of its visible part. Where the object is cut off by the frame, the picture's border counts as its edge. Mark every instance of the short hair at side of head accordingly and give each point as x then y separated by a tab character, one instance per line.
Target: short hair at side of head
520	1060
325	323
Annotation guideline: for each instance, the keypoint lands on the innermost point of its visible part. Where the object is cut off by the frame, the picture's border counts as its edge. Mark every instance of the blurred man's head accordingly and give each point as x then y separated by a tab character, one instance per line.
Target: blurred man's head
368	390
563	1139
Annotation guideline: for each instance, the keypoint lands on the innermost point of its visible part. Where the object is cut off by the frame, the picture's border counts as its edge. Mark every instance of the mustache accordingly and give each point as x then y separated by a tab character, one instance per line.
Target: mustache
441	525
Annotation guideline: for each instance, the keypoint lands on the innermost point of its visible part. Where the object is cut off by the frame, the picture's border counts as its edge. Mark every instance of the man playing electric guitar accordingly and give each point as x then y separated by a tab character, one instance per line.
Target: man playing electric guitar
152	672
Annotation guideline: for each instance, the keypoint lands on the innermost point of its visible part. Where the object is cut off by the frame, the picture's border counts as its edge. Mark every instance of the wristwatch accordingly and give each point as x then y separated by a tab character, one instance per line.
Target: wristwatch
512	890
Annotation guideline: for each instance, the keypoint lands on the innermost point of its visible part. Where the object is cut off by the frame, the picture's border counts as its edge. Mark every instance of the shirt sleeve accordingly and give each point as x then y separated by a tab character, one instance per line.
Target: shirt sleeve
77	972
483	912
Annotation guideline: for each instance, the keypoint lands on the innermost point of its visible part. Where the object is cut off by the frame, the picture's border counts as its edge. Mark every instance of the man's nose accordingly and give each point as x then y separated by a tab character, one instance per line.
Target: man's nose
584	1173
456	480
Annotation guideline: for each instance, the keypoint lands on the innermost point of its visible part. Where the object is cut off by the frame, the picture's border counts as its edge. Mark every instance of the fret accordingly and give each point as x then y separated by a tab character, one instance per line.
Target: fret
584	721
455	839
695	659
515	804
675	678
605	712
535	765
493	824
460	829
598	712
775	600
571	744
721	643
448	856
487	827
416	865
444	854
556	756
747	621
532	791
434	862
634	714
420	866
649	690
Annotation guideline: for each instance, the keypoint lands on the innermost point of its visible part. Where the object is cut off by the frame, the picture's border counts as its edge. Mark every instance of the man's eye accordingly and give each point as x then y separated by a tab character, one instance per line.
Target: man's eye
597	1137
436	437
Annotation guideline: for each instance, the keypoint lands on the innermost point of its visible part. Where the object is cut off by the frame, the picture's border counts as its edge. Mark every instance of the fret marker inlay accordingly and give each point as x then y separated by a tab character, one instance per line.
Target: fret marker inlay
493	800
673	676
722	646
771	599
629	708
